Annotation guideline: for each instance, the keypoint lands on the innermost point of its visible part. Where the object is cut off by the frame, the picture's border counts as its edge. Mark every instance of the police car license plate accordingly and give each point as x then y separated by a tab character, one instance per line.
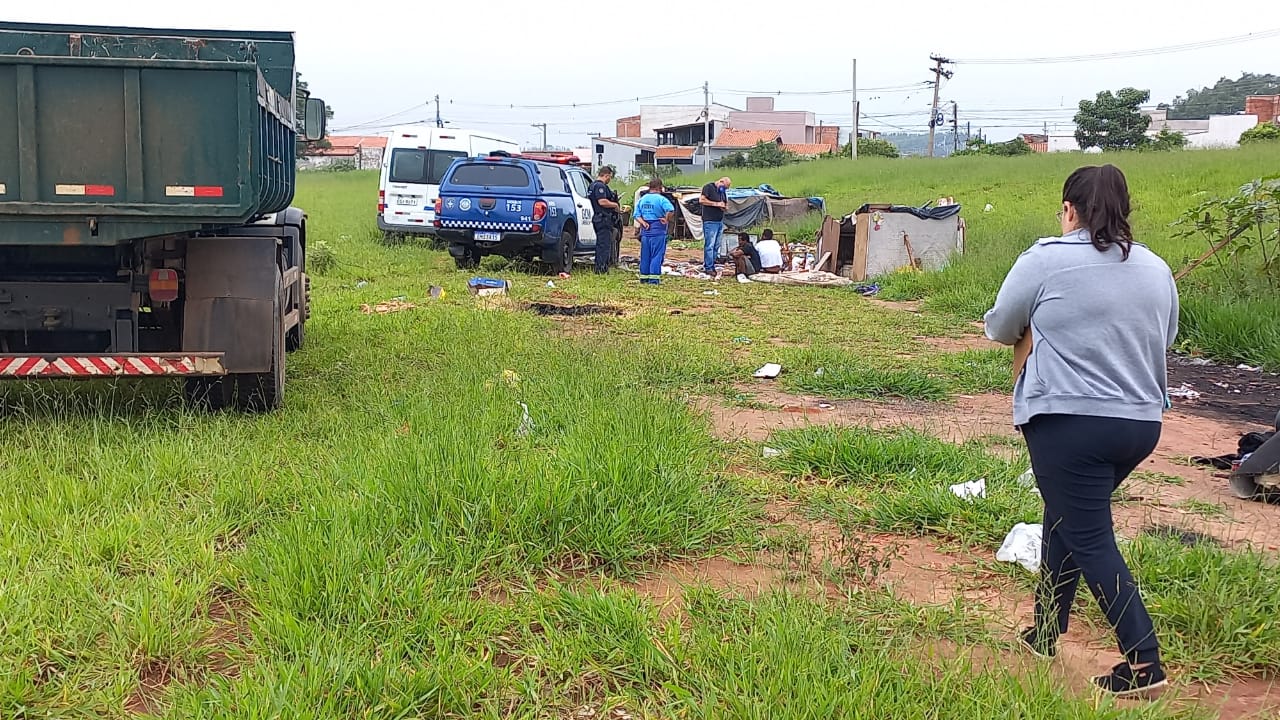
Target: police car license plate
488	236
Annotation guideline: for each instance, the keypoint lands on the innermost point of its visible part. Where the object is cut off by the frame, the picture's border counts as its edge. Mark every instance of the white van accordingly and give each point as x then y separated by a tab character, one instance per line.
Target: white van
412	165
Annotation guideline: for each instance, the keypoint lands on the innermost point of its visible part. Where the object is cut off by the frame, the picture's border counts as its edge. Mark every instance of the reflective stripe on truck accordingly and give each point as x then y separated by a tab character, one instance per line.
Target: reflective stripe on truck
115	365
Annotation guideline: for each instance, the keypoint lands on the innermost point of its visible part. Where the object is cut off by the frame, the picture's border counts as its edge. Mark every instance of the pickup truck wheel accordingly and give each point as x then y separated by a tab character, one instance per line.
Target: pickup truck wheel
208	394
469	260
264	392
564	256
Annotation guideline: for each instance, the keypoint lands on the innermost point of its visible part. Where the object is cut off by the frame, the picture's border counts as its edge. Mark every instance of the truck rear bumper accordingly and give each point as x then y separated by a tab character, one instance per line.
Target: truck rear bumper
425	230
111	365
511	244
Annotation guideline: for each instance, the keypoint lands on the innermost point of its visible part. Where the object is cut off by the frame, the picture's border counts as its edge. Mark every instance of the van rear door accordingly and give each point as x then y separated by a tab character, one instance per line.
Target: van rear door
413	183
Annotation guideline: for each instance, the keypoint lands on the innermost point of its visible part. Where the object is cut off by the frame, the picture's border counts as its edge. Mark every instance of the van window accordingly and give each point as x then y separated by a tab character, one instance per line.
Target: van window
490	174
421	167
552	179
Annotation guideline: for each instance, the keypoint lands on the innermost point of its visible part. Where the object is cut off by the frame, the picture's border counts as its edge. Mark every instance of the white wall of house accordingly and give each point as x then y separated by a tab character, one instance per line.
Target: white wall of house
655	117
1223	131
622	156
798	127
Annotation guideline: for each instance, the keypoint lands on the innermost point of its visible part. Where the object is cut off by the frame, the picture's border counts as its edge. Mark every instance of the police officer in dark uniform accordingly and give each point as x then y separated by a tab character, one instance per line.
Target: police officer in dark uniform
606	218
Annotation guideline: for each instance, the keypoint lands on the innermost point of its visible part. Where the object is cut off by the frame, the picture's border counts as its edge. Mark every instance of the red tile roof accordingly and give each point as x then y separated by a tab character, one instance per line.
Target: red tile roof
731	138
809	149
357	141
674	152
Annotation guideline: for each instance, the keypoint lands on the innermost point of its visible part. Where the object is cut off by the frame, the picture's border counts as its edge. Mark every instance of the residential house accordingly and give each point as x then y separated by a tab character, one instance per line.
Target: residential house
1037	142
1265	107
626	155
795	127
355	151
1216	131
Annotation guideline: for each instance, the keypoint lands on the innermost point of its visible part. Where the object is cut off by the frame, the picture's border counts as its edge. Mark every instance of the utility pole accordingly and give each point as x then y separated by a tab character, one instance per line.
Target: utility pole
544	134
439	122
706	126
955	126
853	134
939	74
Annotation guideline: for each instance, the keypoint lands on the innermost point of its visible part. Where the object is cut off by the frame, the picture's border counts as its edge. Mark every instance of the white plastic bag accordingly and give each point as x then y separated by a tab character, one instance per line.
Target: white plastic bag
970	490
1022	545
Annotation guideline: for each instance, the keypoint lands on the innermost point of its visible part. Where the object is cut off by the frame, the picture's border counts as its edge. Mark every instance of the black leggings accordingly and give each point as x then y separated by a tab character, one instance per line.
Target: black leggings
1079	461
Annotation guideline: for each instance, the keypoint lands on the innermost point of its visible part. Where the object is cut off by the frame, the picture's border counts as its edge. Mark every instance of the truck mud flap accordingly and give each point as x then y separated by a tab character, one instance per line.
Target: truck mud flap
112	365
230	300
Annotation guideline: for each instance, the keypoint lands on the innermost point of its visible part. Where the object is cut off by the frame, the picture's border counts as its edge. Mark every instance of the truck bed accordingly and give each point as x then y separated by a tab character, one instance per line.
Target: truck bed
114	134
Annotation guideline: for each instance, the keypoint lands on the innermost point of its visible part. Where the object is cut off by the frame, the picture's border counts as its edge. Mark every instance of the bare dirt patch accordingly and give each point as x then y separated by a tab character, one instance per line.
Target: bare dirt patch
959	344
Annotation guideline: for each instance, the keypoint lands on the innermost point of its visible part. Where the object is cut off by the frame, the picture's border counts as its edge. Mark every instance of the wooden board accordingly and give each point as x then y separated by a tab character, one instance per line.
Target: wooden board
863	229
828	240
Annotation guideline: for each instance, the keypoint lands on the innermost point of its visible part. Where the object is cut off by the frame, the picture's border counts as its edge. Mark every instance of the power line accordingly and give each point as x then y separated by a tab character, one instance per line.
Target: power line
601	103
845	91
1184	47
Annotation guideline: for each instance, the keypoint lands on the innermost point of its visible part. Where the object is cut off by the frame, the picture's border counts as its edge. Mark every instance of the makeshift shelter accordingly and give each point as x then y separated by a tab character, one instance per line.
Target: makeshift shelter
748	208
879	239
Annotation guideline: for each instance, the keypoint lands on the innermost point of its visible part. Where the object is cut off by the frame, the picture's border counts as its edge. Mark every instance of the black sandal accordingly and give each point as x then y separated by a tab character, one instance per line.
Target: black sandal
1126	681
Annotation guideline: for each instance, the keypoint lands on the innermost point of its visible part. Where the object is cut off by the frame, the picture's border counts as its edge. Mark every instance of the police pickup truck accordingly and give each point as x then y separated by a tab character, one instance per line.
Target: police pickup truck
515	206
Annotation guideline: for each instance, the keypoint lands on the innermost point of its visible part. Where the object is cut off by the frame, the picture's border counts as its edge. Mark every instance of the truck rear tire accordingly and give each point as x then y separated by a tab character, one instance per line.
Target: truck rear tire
564	253
264	392
469	261
209	394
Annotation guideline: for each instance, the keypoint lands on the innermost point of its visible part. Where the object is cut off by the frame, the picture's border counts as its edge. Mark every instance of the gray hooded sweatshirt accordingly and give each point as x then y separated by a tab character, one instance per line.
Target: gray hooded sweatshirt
1100	329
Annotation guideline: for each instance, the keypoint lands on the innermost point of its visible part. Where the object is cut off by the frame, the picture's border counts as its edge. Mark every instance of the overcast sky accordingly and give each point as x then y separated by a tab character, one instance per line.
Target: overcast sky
481	56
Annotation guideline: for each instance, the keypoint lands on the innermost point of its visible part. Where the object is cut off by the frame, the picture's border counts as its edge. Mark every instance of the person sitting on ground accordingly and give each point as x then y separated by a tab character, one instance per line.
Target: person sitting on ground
746	259
770	253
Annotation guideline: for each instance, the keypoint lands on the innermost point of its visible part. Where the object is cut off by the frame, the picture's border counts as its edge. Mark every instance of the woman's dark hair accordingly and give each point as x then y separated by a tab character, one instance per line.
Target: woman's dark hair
1100	197
744	237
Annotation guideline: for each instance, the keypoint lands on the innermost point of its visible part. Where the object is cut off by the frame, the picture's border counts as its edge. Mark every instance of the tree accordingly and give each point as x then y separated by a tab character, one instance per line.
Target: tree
1113	121
763	155
300	114
1166	139
872	147
1267	132
1226	97
1009	148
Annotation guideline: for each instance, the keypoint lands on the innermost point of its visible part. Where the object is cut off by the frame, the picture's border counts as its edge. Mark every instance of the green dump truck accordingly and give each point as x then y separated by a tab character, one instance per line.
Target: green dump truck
146	230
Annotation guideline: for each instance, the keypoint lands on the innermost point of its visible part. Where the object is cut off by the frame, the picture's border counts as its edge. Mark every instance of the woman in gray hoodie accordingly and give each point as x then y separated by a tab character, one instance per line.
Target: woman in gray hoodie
1102	311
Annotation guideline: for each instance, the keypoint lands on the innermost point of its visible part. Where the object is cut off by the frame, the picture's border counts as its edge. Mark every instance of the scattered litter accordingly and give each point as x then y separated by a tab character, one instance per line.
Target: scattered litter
362	284
526	421
1223	385
970	490
769	370
573	310
389	306
563	276
551	283
744	279
825	406
1184	392
1022	545
1028	480
710	292
488	286
867	289
820	372
811	277
742	340
989	208
510	377
1200	361
771	452
1250	368
436	292
399	298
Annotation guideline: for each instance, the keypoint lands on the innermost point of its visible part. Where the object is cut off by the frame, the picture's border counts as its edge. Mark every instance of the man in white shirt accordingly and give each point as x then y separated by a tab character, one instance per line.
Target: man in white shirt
770	253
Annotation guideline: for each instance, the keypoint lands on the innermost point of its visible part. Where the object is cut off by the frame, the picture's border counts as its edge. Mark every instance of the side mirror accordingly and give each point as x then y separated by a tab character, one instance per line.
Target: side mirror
314	120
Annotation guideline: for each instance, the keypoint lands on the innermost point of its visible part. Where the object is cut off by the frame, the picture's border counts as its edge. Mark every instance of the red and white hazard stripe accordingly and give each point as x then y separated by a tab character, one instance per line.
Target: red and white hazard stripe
202	191
92	190
88	366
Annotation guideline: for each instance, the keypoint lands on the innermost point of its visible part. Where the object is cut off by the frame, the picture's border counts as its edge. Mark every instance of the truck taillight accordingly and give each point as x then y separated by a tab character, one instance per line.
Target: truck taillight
439	205
539	211
162	285
382	201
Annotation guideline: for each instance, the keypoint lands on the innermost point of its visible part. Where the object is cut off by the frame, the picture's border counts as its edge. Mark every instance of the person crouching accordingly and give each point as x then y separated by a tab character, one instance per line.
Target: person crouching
654	213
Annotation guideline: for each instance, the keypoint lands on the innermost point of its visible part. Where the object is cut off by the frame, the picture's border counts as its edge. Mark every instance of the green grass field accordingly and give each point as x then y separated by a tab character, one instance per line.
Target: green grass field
399	542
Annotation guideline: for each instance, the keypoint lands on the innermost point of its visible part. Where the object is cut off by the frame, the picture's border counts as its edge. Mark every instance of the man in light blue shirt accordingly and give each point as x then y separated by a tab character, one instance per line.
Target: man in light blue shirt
654	212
